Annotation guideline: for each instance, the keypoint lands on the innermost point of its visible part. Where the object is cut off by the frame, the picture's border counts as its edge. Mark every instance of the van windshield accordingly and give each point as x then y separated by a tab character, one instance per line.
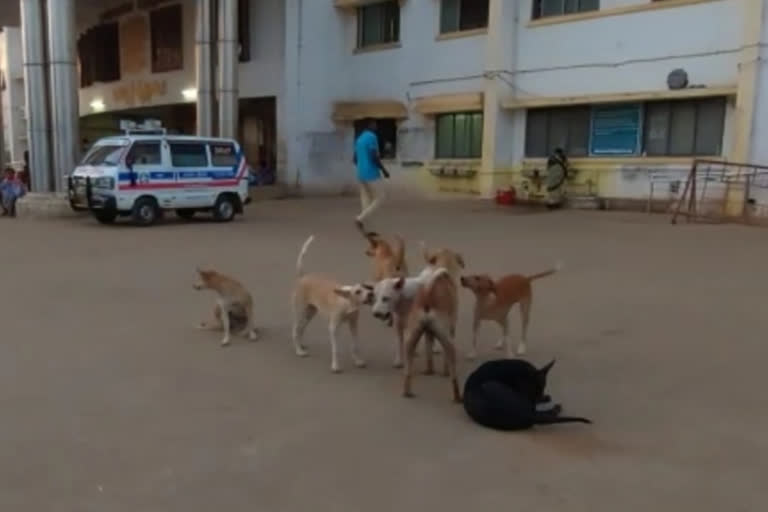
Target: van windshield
104	155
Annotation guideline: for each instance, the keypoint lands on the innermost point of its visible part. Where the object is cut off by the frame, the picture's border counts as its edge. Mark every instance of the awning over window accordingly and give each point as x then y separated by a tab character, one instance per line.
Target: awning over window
629	97
352	4
444	103
349	111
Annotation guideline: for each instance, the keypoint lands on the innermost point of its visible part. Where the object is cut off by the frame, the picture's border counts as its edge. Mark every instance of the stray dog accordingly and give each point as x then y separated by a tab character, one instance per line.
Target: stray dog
393	296
505	394
388	259
341	304
232	298
493	301
433	316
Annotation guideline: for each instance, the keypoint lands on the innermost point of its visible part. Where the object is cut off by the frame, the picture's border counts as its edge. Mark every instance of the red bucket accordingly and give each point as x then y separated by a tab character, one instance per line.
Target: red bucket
506	197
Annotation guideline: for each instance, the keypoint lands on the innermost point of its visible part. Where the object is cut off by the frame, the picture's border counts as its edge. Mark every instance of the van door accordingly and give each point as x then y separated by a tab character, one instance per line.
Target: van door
148	173
193	174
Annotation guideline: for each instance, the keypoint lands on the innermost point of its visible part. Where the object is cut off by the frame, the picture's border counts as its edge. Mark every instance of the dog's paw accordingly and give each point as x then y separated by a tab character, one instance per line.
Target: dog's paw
336	370
499	345
397	364
361	363
225	342
471	356
254	335
521	349
302	352
408	394
428	371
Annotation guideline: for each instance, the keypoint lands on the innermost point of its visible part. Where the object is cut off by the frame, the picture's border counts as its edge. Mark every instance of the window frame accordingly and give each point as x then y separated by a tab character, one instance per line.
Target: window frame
158	142
211	158
538	6
698	104
454	154
358	127
360	43
203	144
458	30
154	32
550	111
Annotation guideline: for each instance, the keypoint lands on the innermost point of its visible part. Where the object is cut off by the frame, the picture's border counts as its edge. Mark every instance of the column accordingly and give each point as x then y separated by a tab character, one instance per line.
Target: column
228	69
204	68
65	108
2	123
36	94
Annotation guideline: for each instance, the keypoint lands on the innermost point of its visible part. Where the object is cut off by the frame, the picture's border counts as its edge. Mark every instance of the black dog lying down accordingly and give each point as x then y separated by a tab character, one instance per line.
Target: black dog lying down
504	395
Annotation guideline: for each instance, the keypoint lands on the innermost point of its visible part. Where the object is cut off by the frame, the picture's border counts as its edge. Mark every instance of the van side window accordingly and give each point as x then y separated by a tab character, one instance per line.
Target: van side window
185	154
223	155
146	153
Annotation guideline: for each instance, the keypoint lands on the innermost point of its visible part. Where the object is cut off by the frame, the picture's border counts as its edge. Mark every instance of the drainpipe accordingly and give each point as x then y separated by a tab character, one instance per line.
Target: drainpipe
204	68
36	94
65	108
228	69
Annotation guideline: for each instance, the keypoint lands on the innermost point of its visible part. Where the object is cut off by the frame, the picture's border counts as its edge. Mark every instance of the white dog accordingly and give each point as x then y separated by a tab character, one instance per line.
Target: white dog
340	303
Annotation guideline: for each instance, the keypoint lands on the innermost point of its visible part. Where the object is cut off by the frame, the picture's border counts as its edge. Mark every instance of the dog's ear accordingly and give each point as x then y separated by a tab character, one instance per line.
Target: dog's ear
425	251
369	286
400	283
545	369
460	260
343	291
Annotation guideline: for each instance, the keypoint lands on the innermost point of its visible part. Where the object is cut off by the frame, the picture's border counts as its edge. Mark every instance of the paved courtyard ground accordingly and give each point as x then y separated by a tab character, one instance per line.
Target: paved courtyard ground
111	401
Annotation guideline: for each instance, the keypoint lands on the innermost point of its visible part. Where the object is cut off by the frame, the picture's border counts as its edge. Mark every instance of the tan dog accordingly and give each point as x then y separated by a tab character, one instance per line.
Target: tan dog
493	300
433	316
232	298
394	296
341	304
388	259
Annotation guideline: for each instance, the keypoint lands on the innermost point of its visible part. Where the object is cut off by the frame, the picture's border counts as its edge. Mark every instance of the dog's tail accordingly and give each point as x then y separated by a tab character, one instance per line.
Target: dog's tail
300	260
563	419
554	270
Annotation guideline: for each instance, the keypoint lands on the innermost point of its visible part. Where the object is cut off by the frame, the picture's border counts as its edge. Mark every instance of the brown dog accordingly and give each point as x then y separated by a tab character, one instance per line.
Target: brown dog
388	259
433	316
493	300
232	298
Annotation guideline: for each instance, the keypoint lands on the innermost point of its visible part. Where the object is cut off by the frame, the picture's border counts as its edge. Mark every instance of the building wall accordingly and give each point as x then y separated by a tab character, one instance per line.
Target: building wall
14	115
322	67
630	51
261	76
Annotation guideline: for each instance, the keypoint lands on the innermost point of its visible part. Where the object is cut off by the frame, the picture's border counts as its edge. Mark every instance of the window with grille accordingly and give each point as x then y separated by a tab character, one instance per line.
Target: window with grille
378	24
459	135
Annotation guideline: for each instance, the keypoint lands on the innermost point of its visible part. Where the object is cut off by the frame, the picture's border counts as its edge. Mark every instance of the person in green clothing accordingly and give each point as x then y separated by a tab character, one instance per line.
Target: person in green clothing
557	178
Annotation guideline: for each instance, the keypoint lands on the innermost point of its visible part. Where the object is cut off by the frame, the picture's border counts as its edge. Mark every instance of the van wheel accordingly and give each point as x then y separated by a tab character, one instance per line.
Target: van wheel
105	216
185	213
145	211
225	208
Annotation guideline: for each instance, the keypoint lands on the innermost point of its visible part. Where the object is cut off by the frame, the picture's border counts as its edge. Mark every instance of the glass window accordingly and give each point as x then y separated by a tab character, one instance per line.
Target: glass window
184	154
685	128
562	127
165	26
545	8
458	15
104	155
386	132
378	23
459	135
223	155
146	153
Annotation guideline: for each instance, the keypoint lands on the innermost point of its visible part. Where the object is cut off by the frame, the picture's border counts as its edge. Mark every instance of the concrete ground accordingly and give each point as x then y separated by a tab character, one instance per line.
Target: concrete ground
112	401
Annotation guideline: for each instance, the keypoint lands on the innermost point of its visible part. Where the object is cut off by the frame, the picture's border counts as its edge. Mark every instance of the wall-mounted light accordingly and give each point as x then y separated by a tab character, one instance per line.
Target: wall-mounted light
189	94
98	105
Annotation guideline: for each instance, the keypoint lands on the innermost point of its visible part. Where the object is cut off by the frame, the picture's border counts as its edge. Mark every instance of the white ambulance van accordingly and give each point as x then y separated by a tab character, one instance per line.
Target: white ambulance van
144	173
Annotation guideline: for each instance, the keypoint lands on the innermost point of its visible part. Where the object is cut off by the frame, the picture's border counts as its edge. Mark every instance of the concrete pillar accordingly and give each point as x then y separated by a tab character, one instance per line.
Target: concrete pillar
65	108
204	68
36	93
2	126
228	69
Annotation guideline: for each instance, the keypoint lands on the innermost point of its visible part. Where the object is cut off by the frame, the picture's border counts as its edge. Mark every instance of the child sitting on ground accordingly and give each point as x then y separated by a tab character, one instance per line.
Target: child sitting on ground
11	189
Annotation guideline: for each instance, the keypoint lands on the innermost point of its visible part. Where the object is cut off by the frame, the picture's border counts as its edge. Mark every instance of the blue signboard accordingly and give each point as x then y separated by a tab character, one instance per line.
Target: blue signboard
615	130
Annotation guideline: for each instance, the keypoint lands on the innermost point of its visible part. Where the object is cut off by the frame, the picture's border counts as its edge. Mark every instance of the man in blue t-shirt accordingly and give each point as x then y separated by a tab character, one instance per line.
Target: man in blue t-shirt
369	171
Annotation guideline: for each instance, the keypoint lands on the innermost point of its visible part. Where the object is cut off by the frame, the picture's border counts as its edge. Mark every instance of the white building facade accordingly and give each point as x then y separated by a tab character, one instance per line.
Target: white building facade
471	96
